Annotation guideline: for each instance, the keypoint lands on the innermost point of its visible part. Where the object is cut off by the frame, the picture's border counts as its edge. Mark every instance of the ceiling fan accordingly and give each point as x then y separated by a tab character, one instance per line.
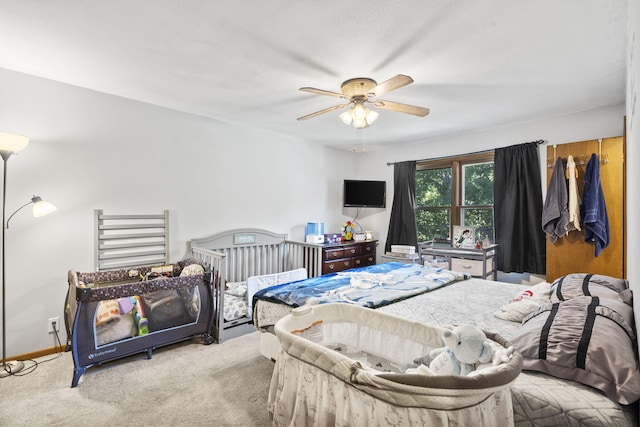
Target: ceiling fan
360	91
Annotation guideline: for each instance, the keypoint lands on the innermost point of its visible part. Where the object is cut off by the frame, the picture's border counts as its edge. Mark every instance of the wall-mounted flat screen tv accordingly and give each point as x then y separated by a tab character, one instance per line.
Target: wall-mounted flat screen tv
365	194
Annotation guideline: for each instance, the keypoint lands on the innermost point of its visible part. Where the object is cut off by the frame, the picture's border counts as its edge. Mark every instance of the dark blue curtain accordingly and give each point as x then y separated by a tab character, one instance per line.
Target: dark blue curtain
517	194
402	224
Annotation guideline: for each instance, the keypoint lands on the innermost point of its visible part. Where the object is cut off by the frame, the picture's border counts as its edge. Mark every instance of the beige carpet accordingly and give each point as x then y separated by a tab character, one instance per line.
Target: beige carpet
186	384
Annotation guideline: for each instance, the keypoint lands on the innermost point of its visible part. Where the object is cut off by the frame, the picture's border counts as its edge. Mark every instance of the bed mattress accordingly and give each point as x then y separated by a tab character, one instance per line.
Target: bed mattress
538	399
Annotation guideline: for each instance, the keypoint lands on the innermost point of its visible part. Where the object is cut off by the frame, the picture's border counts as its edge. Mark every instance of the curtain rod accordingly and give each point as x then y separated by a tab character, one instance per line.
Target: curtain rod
537	142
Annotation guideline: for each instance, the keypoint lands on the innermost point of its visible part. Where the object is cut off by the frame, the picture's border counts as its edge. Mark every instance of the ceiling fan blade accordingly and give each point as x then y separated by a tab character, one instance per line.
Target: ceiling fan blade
387	86
402	108
326	110
322	92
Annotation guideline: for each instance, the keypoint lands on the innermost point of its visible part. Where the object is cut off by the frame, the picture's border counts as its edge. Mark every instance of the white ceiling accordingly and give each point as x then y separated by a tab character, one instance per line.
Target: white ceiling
476	64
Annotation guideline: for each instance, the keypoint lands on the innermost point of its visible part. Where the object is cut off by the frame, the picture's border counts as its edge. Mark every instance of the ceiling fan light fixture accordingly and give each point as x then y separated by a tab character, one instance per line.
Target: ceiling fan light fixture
371	116
361	90
359	110
360	123
346	117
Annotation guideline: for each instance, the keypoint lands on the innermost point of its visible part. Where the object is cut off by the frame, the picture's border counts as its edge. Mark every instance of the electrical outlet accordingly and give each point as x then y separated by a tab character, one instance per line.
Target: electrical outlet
52	323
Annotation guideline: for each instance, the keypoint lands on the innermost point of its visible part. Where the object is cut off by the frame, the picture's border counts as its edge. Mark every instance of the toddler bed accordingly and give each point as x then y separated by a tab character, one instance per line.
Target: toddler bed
114	314
246	260
542	394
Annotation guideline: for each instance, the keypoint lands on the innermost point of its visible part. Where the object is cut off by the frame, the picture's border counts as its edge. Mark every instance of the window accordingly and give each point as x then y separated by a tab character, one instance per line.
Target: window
455	191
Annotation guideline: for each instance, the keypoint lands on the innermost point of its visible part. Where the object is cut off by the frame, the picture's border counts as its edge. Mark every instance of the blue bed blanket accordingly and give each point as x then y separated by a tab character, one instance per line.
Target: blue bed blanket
371	286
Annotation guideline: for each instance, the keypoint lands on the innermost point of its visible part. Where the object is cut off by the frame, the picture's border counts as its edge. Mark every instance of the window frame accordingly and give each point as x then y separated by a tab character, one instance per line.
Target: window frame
456	164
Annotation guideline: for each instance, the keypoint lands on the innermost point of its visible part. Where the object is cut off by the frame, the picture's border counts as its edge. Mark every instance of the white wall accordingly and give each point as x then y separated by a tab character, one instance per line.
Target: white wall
92	151
587	125
633	155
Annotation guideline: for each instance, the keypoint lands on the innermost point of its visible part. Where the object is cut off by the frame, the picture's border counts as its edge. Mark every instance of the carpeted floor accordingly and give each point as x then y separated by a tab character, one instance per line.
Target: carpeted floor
186	384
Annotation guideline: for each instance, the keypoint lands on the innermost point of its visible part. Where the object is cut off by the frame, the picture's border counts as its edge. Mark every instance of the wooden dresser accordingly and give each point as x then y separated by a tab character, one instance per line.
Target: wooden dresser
345	255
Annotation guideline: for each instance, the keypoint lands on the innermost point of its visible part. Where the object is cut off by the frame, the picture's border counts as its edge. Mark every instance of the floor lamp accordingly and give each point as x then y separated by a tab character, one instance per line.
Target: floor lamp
10	144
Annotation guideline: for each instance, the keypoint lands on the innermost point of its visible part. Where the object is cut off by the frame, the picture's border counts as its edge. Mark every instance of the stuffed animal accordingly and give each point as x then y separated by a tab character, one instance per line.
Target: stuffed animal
466	346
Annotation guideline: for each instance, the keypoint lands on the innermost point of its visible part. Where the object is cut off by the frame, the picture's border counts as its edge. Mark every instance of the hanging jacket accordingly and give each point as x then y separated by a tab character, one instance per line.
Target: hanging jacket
555	213
594	209
574	196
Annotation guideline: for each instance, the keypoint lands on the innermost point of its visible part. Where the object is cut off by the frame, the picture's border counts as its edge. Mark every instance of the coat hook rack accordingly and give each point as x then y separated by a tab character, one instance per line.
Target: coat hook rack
580	159
552	162
604	158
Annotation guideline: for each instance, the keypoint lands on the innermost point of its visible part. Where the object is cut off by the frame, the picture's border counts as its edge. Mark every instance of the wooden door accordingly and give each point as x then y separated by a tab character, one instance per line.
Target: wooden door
571	254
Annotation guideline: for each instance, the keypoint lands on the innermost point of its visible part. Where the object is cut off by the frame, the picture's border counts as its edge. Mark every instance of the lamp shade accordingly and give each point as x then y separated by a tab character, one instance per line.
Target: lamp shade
358	110
346	117
371	116
360	123
12	142
40	207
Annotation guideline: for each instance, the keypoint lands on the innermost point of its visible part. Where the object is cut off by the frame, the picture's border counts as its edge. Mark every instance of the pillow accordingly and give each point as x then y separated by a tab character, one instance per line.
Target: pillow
124	327
587	339
525	303
108	311
237	289
582	284
192	270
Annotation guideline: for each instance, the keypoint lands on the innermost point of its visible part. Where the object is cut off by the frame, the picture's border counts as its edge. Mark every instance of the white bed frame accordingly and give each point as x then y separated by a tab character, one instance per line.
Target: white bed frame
238	254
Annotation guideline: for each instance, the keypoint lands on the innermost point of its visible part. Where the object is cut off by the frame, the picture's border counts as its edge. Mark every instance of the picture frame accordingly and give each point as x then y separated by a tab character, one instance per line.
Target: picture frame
463	237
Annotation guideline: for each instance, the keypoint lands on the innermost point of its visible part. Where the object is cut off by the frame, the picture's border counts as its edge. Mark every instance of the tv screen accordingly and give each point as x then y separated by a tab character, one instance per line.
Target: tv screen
365	194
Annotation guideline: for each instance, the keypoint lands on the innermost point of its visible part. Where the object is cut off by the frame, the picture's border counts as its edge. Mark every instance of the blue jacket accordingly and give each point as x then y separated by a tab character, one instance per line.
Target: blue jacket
594	209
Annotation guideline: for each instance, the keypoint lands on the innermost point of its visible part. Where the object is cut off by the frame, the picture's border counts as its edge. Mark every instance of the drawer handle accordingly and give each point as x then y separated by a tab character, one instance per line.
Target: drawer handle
466	266
346	263
353	251
330	266
358	261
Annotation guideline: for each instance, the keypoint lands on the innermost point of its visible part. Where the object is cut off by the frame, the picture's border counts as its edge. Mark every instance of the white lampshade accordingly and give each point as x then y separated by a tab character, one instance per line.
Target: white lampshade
360	123
346	117
358	110
371	116
12	142
41	208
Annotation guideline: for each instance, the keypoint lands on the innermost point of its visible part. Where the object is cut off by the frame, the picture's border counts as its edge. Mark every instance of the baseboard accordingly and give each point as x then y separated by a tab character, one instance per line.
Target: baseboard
36	354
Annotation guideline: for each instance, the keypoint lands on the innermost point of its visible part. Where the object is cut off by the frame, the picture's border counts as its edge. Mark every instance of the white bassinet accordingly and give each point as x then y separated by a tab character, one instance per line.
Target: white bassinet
342	364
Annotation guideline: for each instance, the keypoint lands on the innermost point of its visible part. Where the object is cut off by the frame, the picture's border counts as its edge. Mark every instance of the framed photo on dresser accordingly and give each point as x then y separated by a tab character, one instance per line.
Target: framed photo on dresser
463	236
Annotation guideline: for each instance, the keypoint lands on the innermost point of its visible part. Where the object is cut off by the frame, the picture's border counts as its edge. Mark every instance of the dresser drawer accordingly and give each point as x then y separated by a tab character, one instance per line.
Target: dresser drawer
350	251
471	266
368	248
364	260
331	254
337	265
345	252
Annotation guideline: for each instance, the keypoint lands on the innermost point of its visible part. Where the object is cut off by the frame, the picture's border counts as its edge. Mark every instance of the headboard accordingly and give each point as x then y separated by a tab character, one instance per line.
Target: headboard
123	241
240	253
